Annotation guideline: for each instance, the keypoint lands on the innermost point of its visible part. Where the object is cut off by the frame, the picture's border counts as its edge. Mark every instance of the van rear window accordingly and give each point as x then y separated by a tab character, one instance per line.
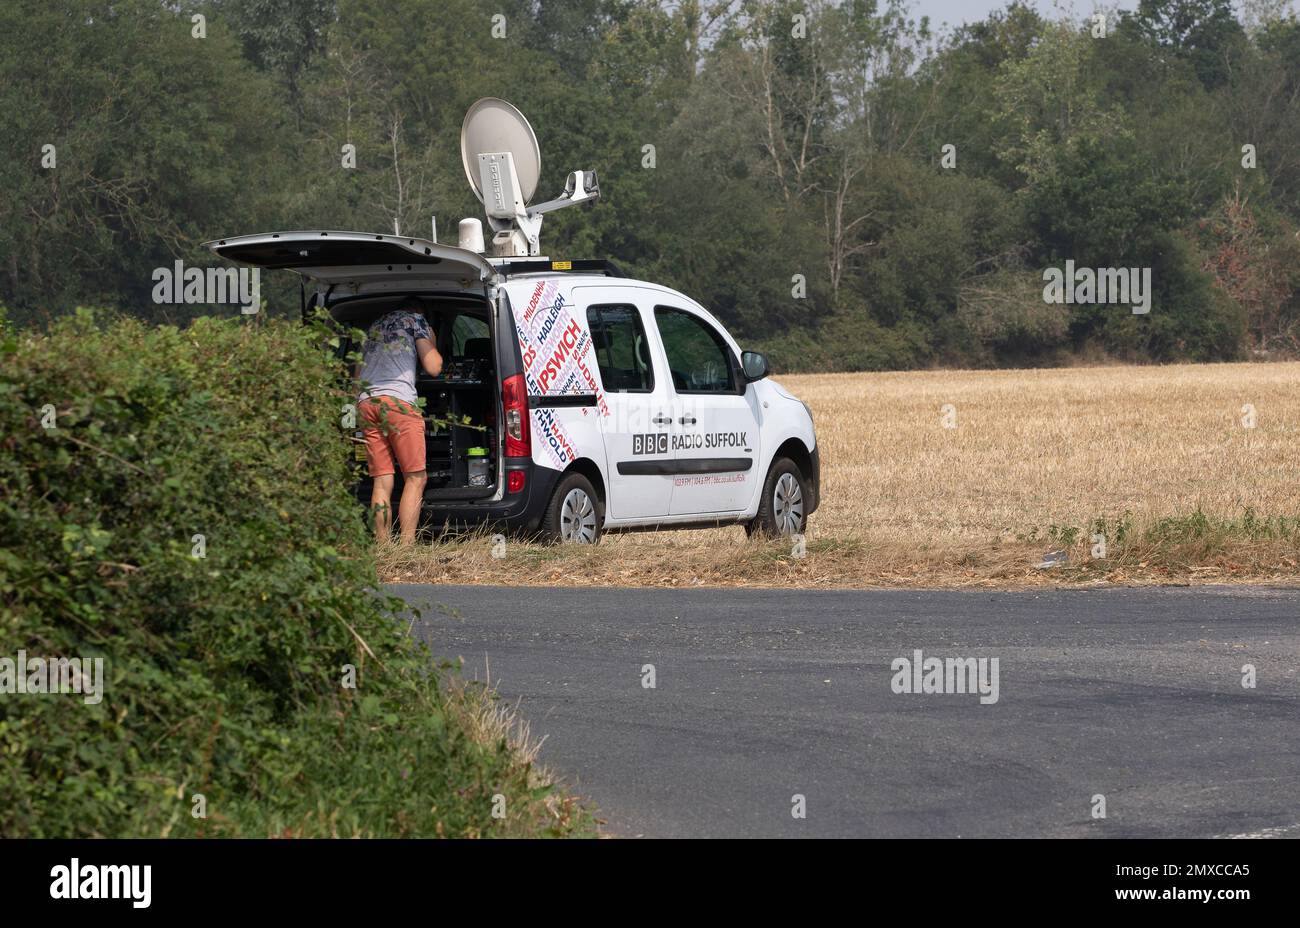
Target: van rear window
464	330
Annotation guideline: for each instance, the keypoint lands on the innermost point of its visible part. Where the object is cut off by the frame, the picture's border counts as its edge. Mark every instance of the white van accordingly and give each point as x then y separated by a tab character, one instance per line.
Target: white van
582	401
604	403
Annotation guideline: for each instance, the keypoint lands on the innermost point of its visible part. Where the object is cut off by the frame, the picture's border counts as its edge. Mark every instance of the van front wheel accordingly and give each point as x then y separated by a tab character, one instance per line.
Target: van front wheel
783	509
575	513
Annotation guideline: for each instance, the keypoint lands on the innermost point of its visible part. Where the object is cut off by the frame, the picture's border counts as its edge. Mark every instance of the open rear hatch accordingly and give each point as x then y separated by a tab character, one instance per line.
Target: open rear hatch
340	259
355	270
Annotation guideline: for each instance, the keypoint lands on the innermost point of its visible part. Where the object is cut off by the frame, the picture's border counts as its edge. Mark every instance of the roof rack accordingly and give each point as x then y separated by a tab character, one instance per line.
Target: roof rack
512	267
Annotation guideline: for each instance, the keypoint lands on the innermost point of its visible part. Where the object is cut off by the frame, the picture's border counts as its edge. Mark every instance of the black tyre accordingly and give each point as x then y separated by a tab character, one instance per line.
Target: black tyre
783	509
575	513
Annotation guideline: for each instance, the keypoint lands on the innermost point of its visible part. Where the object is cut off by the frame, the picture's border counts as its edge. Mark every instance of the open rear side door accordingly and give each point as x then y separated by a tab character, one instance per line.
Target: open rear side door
348	270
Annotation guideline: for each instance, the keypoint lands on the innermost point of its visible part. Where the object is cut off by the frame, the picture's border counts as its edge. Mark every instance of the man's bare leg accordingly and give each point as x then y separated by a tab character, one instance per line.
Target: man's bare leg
381	502
408	512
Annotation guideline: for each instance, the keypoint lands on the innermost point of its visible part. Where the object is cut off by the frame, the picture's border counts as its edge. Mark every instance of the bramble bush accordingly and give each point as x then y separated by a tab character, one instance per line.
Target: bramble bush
224	672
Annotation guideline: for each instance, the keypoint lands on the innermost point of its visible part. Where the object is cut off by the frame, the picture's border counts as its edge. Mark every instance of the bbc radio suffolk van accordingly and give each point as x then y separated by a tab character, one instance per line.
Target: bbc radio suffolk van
573	400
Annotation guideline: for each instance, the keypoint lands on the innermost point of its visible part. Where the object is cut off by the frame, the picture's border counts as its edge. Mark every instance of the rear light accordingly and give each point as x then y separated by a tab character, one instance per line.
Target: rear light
514	481
514	400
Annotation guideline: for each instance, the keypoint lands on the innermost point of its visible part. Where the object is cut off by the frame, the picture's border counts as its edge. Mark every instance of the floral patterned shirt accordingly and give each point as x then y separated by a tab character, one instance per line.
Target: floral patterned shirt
389	357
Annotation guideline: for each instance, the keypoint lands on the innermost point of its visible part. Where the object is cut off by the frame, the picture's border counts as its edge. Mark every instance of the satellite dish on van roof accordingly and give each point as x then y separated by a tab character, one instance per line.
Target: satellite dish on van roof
495	126
503	163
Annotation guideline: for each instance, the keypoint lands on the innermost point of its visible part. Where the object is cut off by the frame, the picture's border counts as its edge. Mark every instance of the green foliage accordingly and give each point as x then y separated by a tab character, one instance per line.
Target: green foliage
734	156
223	672
157	138
1199	527
851	340
1004	311
1202	35
1158	539
281	37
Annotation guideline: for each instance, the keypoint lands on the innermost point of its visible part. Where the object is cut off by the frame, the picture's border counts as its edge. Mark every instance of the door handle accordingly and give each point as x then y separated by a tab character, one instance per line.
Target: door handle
663	420
687	420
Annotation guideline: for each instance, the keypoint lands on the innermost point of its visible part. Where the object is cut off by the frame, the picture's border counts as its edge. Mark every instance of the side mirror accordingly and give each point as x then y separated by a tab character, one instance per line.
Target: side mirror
754	365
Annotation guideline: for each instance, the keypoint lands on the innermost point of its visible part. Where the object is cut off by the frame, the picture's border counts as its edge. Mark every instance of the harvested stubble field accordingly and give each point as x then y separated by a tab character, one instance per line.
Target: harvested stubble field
1160	460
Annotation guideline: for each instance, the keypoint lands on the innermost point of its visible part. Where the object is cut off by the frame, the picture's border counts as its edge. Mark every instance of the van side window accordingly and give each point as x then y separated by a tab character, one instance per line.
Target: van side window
622	353
698	358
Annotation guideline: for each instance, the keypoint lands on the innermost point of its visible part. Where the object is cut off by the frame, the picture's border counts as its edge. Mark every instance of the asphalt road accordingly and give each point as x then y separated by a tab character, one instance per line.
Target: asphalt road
1134	695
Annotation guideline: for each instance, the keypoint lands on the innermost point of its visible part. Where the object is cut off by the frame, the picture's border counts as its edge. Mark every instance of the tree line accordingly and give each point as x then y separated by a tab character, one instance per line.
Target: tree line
844	185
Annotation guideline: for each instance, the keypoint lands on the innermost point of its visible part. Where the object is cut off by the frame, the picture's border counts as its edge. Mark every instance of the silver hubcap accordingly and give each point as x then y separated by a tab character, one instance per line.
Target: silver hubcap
578	518
787	505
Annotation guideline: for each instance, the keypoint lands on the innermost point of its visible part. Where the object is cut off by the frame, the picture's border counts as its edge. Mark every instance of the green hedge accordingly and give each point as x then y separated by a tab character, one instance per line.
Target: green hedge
224	673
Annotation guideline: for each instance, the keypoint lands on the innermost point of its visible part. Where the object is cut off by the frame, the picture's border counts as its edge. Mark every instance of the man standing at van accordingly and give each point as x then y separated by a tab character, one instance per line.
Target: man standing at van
394	429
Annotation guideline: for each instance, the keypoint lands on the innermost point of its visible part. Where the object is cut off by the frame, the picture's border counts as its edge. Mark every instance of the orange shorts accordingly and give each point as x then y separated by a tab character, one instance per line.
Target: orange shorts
392	429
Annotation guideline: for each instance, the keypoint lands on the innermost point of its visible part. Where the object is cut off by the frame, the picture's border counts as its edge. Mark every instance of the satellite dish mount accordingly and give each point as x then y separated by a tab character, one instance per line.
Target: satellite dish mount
502	164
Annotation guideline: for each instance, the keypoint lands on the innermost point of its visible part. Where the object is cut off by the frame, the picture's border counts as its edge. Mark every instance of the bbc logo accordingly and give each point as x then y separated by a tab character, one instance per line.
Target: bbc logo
650	443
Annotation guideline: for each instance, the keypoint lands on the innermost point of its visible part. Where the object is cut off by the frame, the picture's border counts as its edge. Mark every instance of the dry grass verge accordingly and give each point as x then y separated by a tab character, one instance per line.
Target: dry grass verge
724	557
488	721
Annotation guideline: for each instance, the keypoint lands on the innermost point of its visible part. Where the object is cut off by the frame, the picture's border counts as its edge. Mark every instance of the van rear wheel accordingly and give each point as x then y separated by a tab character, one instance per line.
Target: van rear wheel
783	509
575	513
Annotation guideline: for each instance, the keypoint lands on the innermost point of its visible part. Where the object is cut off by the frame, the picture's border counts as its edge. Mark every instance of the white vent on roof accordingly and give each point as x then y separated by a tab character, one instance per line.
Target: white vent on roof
471	235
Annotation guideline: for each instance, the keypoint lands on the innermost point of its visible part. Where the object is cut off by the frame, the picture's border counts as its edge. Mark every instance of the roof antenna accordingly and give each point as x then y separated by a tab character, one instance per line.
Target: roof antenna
503	164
